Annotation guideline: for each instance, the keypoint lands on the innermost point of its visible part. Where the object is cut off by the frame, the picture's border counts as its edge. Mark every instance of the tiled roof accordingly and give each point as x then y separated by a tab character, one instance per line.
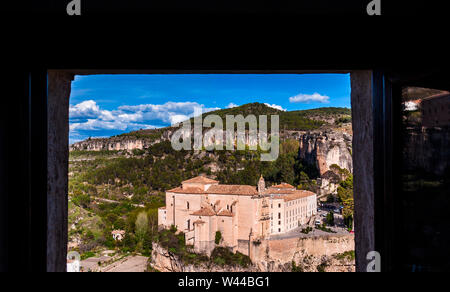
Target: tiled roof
225	213
273	191
204	212
188	190
233	190
297	195
283	186
219	190
200	179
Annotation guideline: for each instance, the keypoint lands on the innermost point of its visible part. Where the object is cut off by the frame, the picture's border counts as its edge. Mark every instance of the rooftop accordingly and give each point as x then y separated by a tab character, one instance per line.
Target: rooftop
204	212
244	190
283	186
297	194
225	213
233	190
187	190
200	179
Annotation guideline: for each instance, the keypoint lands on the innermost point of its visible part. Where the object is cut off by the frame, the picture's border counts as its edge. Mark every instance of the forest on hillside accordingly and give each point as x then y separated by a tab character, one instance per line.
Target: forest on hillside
137	178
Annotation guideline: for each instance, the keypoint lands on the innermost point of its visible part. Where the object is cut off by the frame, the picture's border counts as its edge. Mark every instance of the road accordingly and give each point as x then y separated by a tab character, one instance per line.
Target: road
116	202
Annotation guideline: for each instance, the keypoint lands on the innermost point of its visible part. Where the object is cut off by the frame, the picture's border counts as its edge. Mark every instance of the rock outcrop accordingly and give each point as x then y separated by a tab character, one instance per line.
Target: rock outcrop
323	149
165	261
118	143
130	142
310	254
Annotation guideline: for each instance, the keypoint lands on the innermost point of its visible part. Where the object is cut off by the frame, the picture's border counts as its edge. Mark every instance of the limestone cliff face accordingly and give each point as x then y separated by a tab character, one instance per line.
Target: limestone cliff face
164	261
308	253
210	137
118	143
323	149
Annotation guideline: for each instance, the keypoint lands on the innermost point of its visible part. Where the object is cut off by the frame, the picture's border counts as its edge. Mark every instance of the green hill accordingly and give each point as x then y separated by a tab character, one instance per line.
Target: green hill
300	120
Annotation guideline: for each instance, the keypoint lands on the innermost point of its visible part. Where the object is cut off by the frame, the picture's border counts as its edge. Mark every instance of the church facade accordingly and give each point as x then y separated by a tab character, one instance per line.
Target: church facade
202	208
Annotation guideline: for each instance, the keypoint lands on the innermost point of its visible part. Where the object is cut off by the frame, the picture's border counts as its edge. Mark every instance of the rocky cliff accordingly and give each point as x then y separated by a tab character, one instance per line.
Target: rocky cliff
323	149
129	141
309	254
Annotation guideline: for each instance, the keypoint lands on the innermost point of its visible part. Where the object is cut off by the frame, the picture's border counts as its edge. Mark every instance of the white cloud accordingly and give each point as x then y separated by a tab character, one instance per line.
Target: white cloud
231	105
275	106
87	115
315	97
87	108
178	119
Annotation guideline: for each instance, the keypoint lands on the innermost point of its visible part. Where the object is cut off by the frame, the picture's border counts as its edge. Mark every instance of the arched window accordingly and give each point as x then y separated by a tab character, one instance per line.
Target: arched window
187	205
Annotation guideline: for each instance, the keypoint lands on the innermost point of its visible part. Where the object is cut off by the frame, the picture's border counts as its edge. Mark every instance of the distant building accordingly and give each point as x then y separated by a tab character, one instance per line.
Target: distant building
436	110
118	235
241	213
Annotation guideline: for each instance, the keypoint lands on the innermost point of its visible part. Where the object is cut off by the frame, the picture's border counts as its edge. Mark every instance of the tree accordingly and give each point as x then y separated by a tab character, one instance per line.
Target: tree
330	219
218	237
141	226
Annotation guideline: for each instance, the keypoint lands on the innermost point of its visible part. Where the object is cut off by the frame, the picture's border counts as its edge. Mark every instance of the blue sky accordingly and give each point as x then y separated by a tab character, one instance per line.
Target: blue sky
106	105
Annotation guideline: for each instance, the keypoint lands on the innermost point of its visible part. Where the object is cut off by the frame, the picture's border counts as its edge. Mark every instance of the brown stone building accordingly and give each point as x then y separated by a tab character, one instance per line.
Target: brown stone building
201	207
436	110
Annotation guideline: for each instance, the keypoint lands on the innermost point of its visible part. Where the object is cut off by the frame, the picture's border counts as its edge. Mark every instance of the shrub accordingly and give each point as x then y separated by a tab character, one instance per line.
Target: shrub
324	228
296	268
224	256
306	230
350	255
322	266
218	237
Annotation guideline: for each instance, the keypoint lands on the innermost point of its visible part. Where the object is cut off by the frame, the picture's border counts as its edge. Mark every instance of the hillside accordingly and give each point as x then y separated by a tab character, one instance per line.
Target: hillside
136	168
300	120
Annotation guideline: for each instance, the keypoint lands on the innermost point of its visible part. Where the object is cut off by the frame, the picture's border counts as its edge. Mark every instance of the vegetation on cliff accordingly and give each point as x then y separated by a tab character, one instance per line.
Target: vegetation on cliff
135	183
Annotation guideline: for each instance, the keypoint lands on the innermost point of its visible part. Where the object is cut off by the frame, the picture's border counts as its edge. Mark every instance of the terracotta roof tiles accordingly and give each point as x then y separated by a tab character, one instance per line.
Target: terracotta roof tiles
188	190
204	212
283	186
200	179
225	213
297	195
233	190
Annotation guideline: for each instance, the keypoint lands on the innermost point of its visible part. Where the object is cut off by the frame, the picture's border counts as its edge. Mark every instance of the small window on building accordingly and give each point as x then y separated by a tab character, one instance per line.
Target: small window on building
279	229
187	205
279	215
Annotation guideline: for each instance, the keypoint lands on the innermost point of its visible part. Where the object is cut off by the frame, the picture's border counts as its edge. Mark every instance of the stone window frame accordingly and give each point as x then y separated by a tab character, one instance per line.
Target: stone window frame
367	92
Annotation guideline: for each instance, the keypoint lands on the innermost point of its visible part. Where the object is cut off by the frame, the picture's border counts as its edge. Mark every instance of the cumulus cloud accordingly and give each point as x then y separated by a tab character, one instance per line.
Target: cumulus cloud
88	116
231	105
275	106
315	97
